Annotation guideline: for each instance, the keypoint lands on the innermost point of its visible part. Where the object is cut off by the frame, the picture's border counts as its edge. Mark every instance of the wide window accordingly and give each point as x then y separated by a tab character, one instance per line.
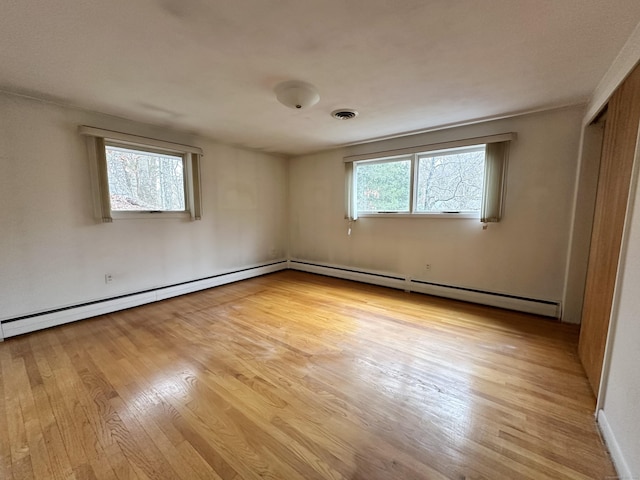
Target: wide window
134	176
449	181
459	179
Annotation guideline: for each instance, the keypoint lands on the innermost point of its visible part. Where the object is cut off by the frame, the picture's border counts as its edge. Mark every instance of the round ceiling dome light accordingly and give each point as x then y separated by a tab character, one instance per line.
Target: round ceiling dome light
344	114
296	94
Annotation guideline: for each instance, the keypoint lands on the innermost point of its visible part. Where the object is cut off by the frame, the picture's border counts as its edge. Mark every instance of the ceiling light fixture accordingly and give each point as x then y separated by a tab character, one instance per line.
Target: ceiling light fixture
296	94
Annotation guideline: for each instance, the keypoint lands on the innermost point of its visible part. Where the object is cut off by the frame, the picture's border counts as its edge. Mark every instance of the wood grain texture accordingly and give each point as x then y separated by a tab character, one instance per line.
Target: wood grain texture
296	376
616	164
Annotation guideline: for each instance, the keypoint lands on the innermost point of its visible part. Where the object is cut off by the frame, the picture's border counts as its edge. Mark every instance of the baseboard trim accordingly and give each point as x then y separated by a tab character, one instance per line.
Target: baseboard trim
624	472
38	321
526	305
383	279
11	327
547	308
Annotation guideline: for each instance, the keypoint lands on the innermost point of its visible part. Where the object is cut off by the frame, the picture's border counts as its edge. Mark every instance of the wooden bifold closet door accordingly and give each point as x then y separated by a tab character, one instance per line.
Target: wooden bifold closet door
618	151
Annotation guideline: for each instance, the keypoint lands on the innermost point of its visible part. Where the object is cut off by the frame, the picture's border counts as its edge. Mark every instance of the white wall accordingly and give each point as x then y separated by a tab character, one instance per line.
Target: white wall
524	255
621	391
584	207
53	253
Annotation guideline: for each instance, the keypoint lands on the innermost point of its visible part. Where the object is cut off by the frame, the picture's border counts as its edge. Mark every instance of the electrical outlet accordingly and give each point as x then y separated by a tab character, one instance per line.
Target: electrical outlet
428	266
108	278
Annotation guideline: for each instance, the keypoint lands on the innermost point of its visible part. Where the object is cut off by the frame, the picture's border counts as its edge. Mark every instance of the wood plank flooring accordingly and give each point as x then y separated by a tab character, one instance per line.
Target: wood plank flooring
295	376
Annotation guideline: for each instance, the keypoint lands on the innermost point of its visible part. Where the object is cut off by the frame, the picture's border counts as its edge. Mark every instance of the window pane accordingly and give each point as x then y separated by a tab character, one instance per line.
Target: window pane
145	181
383	187
450	182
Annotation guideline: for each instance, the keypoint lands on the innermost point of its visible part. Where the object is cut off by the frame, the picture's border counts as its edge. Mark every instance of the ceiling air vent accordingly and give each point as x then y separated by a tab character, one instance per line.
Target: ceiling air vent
344	114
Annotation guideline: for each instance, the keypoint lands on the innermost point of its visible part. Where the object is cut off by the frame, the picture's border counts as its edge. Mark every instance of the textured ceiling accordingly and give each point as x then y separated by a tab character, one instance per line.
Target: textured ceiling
210	66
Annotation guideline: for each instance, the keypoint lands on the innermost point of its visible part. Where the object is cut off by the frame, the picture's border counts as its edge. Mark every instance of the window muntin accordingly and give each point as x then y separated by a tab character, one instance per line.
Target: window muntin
436	182
450	181
384	186
144	180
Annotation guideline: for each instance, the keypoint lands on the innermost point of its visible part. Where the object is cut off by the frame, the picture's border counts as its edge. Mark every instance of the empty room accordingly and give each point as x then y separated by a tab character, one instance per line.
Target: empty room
340	239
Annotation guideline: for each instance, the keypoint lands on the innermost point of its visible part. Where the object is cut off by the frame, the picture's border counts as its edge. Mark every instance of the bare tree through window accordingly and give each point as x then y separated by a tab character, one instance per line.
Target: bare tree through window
446	181
145	181
450	182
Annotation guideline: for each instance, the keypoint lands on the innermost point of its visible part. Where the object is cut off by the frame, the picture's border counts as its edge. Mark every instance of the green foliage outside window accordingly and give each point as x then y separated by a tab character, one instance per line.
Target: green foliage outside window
384	187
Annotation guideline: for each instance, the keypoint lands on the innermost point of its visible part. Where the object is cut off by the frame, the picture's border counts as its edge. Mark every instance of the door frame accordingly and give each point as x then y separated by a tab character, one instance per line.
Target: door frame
606	361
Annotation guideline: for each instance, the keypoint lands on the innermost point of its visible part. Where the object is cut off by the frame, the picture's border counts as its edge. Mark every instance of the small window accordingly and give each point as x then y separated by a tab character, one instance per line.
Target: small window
143	180
134	176
450	181
384	186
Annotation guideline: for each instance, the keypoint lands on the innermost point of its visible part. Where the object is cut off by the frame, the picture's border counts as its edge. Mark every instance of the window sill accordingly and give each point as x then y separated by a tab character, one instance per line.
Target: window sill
466	216
137	215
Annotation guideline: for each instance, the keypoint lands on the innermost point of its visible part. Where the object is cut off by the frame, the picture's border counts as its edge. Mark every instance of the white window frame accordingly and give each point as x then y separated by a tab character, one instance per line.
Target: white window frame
413	180
378	161
490	181
98	139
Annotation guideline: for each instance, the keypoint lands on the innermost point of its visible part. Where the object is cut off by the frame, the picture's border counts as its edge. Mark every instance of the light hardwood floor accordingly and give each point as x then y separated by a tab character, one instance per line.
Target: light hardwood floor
295	376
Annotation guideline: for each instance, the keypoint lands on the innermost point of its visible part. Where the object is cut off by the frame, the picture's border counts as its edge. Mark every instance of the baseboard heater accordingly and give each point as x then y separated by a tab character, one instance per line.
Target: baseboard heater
28	323
547	308
11	327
